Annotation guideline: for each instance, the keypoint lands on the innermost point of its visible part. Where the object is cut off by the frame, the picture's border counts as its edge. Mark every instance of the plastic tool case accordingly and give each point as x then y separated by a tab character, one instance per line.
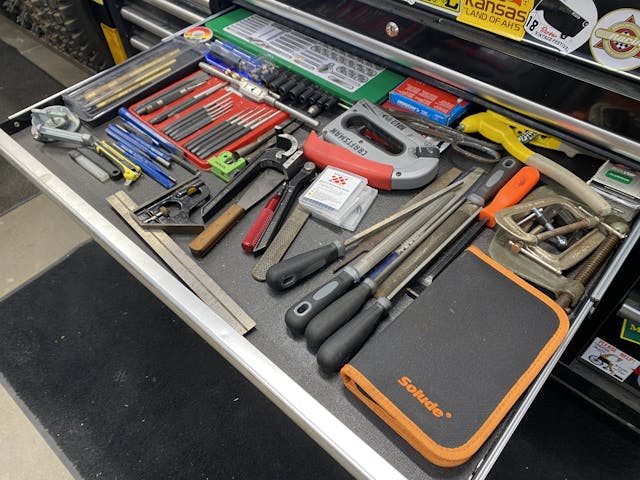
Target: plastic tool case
595	108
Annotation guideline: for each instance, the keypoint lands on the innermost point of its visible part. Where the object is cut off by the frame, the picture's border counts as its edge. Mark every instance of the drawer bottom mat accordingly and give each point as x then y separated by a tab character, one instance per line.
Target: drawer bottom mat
127	390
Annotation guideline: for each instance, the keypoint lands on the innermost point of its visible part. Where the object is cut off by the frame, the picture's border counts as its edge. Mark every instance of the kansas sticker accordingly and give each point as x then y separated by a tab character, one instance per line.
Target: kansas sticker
503	17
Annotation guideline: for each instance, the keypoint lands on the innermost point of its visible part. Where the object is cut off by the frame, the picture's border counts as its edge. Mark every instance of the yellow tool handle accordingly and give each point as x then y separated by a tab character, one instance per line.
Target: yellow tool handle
499	132
211	235
130	171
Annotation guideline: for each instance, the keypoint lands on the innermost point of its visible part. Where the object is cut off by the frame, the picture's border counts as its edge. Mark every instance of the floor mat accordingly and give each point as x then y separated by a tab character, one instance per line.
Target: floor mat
15	188
128	391
21	85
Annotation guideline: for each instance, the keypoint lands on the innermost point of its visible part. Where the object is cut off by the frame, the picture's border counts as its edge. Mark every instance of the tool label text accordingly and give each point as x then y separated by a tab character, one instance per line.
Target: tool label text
422	398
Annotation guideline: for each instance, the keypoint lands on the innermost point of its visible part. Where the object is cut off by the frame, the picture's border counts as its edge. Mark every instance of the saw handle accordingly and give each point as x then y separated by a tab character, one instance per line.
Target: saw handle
211	235
513	191
324	154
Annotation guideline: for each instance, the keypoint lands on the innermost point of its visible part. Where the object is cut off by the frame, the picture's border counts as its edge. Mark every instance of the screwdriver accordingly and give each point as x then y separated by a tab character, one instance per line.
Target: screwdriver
340	347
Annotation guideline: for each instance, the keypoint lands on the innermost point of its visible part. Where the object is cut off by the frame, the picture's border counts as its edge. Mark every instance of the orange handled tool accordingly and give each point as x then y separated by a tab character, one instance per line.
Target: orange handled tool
513	191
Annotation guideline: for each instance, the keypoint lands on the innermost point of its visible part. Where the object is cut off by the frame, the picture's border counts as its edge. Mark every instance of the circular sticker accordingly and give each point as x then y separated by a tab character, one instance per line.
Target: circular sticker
198	34
564	24
615	41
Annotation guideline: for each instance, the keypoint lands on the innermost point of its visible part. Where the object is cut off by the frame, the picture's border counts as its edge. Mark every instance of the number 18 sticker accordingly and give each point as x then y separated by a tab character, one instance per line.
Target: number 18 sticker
563	24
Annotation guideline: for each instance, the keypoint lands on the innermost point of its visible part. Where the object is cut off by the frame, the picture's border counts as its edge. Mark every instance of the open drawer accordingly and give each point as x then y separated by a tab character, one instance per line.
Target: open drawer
278	364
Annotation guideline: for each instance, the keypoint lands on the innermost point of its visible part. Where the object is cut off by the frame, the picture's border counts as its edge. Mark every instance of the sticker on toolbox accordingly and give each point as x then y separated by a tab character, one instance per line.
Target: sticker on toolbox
610	359
630	331
564	24
615	40
336	66
448	5
502	17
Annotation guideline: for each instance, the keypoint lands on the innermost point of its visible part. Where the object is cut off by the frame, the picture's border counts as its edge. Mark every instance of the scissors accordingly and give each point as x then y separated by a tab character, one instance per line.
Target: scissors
466	145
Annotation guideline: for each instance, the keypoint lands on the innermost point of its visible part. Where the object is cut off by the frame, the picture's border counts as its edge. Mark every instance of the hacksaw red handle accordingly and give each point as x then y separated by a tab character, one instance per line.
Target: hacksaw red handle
325	154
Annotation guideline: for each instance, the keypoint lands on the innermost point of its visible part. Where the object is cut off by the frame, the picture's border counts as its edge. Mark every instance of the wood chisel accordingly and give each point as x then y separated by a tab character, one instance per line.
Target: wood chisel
345	342
268	180
299	315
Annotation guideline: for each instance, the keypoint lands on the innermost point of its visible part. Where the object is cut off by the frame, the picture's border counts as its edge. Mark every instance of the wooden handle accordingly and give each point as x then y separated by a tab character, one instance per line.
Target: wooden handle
204	242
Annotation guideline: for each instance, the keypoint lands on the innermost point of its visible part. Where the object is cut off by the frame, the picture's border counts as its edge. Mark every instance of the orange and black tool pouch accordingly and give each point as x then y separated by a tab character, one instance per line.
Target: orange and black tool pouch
448	369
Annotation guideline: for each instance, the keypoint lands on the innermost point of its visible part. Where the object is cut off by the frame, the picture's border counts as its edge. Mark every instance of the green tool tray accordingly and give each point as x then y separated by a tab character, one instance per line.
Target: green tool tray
375	89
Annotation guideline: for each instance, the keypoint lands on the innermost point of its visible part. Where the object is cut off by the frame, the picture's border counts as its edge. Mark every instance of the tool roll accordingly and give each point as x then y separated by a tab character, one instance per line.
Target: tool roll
446	371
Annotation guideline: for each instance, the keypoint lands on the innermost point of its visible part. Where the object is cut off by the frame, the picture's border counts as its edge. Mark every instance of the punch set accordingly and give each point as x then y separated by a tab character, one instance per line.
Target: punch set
209	118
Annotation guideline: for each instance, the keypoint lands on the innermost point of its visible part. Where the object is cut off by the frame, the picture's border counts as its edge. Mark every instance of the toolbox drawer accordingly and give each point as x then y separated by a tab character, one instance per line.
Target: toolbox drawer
281	367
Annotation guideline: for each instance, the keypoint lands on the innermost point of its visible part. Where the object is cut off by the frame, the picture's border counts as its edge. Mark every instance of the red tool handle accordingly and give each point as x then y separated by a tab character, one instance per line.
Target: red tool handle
513	191
324	153
257	229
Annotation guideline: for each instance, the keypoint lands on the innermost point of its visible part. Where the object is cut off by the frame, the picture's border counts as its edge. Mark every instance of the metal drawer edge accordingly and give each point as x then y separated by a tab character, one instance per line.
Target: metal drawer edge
484	90
338	440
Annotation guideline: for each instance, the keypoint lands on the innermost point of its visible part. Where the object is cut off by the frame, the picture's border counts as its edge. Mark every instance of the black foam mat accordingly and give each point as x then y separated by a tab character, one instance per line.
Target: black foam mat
21	84
128	391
